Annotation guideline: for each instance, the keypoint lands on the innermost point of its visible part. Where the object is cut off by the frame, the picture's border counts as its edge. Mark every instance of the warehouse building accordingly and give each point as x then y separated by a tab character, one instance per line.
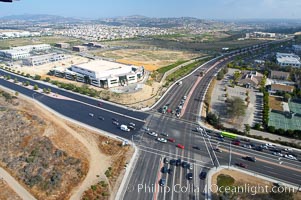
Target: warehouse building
43	59
62	45
13	54
29	48
108	74
288	59
79	48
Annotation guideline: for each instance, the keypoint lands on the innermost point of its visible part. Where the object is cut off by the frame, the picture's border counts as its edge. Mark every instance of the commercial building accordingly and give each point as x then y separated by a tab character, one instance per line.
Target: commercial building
297	48
13	54
79	48
250	79
108	74
43	59
29	48
282	88
279	75
288	59
62	45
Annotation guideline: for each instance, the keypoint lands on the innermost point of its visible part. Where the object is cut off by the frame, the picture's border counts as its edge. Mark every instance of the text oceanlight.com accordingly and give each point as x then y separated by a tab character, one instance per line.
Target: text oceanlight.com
191	188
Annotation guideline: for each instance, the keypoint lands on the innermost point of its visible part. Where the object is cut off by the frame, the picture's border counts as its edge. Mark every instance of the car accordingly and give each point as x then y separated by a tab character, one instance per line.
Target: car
164	134
171	140
163	140
185	97
99	104
277	154
196	147
91	114
178	114
203	175
258	148
170	171
241	165
190	176
116	123
153	134
249	158
189	166
166	160
164	170
132	127
199	129
184	164
221	139
207	136
290	157
172	162
162	182
145	128
101	118
247	146
178	162
217	150
288	149
115	119
132	124
236	142
180	146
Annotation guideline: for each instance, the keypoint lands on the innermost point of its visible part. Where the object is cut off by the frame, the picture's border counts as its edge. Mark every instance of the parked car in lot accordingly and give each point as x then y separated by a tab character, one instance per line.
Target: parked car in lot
241	165
203	175
163	140
171	140
180	146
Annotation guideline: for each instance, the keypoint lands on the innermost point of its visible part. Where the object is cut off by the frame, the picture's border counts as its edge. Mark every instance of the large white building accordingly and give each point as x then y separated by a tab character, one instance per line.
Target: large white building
14	54
288	59
21	52
108	74
297	48
43	59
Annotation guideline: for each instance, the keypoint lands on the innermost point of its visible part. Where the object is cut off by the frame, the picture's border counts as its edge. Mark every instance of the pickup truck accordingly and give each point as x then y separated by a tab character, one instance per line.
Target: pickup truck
124	128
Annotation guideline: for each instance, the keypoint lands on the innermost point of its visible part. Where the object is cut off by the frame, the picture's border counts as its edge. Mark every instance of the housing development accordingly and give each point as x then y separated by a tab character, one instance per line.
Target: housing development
167	107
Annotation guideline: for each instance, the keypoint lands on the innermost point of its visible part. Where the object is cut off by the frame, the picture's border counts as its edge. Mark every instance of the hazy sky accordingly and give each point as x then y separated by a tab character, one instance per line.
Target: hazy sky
209	9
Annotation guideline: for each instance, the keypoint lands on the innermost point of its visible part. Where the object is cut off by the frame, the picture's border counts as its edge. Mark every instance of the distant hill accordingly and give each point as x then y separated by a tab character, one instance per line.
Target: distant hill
39	18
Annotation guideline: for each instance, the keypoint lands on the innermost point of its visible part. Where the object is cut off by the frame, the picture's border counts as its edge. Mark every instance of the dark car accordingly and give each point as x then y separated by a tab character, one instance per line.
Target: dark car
189	176
258	148
114	119
196	147
184	164
178	162
170	171
101	118
172	162
241	165
203	175
249	158
132	124
162	182
131	127
164	170
236	142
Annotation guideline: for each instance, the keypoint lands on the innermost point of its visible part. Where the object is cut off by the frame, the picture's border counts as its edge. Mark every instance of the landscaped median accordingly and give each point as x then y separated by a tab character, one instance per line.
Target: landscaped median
235	183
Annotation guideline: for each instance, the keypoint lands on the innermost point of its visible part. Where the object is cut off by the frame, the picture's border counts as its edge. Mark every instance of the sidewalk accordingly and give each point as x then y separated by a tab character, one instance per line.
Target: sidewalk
274	136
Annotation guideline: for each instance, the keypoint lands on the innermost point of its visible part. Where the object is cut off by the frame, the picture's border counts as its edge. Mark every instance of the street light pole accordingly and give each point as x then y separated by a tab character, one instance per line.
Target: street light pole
229	154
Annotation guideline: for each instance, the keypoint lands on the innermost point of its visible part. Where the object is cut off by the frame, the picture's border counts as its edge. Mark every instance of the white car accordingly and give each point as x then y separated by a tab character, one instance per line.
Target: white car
145	128
184	97
199	129
153	134
91	114
278	154
162	140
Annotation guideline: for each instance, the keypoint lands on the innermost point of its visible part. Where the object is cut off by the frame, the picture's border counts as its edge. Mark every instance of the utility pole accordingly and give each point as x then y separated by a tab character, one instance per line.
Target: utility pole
229	155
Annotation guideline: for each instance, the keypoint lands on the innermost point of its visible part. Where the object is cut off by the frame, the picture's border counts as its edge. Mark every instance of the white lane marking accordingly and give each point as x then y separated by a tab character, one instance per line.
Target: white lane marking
267	167
208	151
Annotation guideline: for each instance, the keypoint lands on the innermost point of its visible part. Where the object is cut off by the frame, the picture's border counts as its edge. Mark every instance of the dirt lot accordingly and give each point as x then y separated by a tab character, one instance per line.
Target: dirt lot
275	103
55	159
7	193
240	179
152	59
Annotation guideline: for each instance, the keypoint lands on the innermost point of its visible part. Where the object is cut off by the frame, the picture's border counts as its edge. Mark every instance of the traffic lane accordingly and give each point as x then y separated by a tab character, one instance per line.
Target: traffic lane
80	112
87	100
262	167
143	182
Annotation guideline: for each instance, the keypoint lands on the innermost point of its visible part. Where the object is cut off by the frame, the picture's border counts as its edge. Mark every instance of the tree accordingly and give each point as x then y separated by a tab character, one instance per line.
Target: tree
236	107
220	75
37	77
47	79
16	93
44	90
247	128
35	87
213	119
287	97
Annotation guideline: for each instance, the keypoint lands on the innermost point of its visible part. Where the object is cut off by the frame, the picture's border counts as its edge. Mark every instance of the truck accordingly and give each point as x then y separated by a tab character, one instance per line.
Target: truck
124	128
